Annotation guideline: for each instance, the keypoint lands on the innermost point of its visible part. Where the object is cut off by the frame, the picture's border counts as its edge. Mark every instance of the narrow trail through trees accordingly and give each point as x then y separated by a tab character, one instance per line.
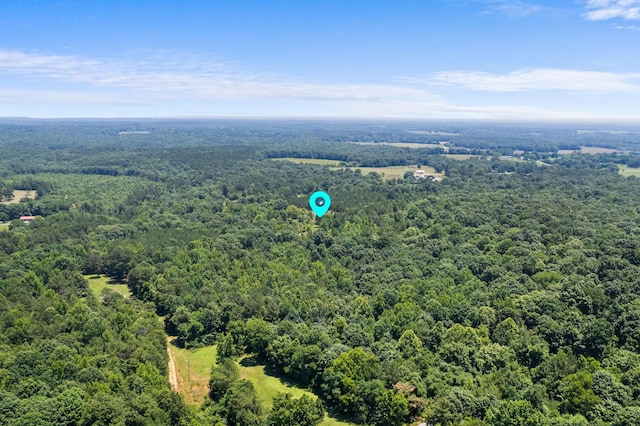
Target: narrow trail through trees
173	372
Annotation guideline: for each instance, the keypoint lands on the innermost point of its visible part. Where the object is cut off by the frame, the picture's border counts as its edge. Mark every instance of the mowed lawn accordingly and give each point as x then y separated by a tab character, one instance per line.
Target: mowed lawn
267	387
4	226
97	283
193	367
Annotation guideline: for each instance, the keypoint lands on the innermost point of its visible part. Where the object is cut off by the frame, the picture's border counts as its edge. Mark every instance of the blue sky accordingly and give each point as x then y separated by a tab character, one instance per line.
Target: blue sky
496	59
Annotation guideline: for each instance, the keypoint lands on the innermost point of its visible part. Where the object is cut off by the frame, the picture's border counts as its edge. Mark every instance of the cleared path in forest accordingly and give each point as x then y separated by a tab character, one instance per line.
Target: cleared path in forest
173	372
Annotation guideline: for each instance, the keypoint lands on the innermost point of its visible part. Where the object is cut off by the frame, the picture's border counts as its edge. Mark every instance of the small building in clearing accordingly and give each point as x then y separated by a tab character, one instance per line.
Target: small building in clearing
421	174
27	219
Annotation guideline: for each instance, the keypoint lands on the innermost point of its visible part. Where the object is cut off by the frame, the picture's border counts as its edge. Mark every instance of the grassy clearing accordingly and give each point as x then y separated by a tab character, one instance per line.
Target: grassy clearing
330	421
194	366
588	150
267	387
625	170
19	194
319	161
391	172
511	158
194	369
396	172
462	156
99	283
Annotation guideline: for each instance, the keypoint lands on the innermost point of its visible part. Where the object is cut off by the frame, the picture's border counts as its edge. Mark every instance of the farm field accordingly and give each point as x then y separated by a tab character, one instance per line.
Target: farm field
588	150
396	172
390	172
19	194
99	283
267	387
462	157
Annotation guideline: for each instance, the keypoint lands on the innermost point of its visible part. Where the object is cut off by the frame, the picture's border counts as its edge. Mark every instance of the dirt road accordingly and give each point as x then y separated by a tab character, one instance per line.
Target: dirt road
173	372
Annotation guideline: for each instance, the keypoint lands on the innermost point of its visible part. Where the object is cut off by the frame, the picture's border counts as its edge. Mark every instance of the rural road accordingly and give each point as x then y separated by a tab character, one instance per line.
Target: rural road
173	374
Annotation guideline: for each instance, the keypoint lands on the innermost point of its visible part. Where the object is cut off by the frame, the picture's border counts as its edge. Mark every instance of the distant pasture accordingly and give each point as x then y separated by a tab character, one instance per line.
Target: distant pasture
625	170
389	172
588	150
19	194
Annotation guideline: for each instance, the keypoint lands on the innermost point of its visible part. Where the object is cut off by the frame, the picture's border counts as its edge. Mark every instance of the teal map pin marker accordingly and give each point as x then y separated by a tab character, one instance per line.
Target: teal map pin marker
320	202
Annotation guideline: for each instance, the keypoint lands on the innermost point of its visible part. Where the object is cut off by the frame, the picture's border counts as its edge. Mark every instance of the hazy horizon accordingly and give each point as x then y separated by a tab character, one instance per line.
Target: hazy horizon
446	59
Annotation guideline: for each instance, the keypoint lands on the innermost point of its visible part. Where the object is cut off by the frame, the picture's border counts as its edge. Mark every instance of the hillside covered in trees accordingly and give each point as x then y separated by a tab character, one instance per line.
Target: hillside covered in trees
507	293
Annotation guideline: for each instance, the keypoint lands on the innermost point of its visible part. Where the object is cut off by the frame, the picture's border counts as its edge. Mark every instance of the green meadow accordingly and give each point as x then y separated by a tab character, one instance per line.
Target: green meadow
193	367
628	171
267	387
97	283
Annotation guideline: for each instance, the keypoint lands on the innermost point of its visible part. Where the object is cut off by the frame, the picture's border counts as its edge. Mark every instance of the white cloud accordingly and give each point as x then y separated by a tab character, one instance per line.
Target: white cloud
628	27
539	79
173	85
408	109
511	8
514	8
170	77
601	10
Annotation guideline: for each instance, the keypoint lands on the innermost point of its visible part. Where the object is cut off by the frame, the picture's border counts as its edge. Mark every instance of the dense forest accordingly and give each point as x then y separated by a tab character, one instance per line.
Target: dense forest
507	293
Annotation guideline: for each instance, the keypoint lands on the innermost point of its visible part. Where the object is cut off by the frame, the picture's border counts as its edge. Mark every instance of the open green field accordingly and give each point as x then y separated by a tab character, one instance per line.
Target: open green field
588	150
391	172
267	387
462	156
193	367
396	172
319	161
4	226
99	283
625	170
